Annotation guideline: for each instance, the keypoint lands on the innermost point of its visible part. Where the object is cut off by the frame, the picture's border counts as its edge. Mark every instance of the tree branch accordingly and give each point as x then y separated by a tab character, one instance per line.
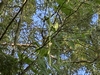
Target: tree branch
18	44
86	61
12	20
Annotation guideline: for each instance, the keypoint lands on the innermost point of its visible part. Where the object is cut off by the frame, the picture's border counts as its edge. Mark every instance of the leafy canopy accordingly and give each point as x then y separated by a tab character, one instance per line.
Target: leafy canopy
59	37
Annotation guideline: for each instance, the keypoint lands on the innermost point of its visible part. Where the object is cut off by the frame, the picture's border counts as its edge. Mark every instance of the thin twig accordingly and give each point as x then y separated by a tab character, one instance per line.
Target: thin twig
12	20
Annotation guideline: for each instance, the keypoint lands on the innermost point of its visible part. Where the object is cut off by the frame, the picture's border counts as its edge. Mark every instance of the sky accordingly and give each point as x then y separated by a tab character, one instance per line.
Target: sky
94	20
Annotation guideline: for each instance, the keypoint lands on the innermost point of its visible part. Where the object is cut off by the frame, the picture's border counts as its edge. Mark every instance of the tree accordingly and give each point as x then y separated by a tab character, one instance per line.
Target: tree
58	37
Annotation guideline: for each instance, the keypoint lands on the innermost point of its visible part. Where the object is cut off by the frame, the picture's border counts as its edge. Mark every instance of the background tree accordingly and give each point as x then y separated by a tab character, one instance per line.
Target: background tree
59	37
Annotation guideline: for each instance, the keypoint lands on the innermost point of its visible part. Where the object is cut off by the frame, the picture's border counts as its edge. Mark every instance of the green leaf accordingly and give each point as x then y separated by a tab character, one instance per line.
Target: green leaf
28	60
65	10
97	1
60	1
43	52
56	26
71	44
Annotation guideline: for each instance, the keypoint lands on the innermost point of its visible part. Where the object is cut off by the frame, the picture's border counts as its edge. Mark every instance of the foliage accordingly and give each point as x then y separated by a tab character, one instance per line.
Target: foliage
45	37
